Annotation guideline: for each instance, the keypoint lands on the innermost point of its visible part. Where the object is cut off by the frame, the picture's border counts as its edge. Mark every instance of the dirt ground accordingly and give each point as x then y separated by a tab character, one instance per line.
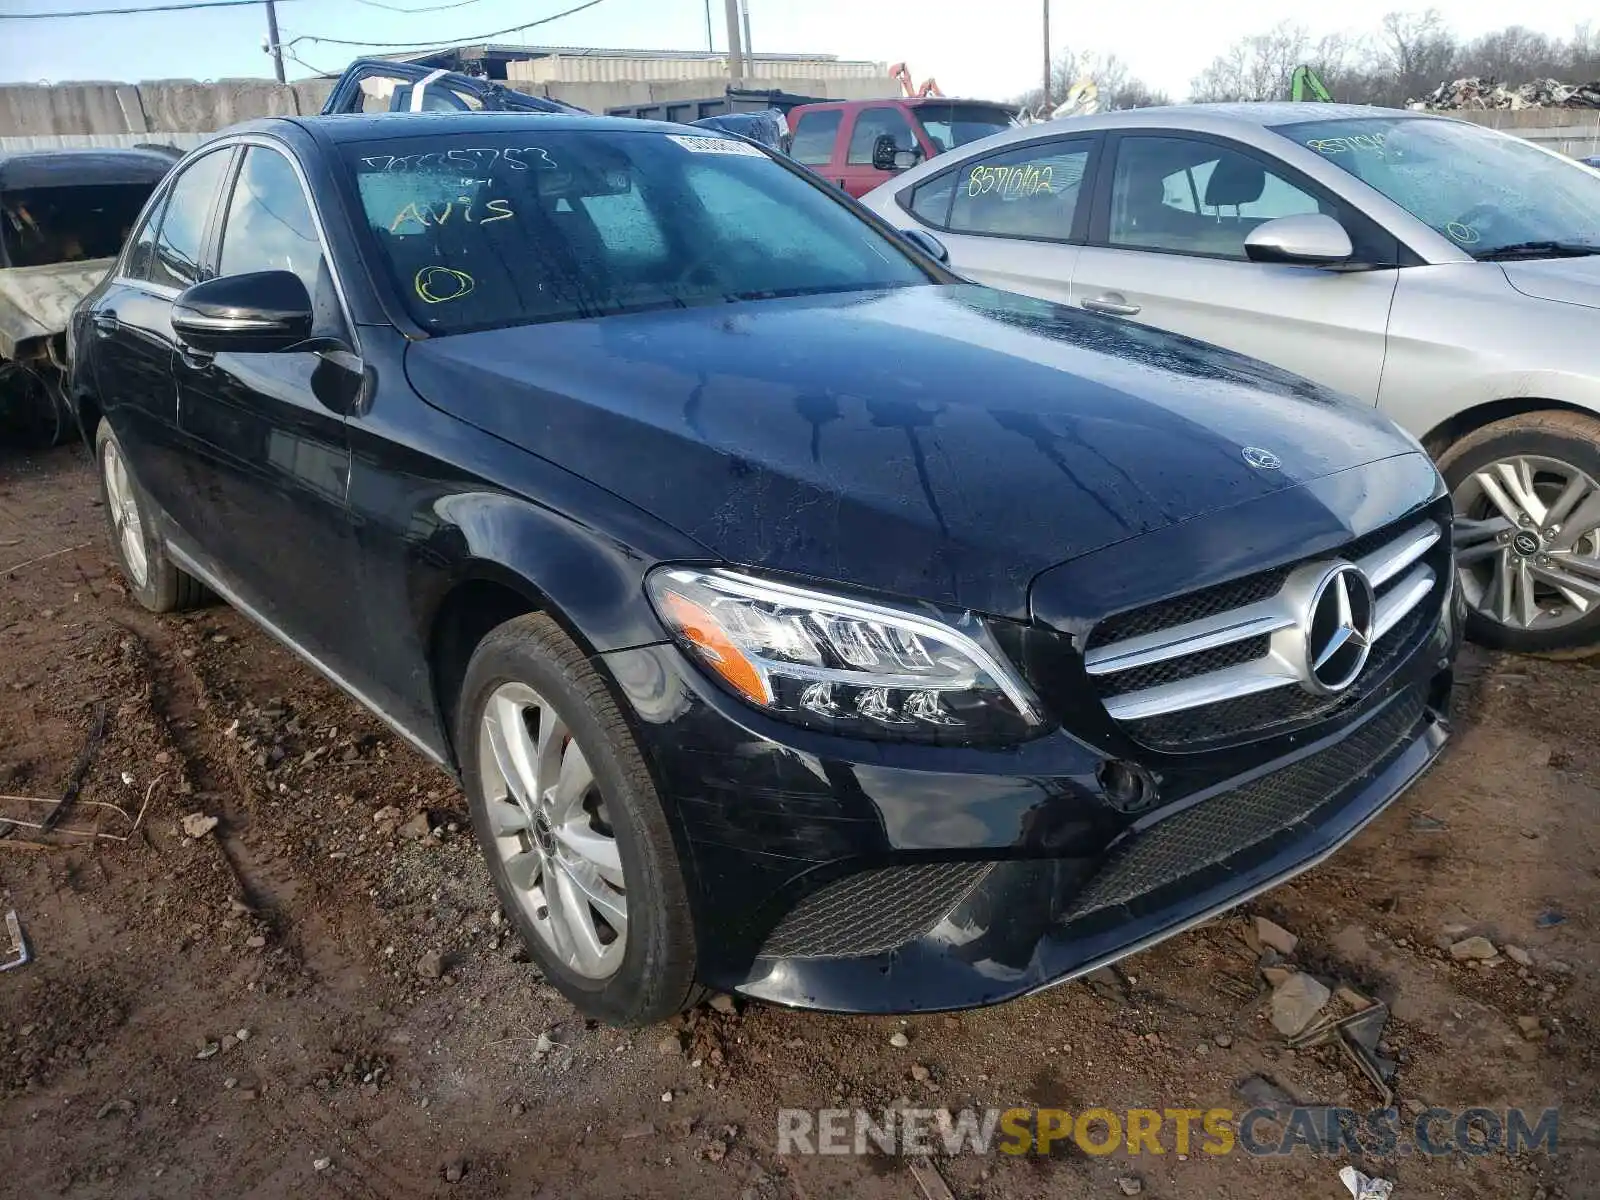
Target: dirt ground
311	999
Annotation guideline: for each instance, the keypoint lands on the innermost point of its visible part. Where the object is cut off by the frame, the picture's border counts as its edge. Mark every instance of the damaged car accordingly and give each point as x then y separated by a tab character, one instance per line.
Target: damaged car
64	214
800	620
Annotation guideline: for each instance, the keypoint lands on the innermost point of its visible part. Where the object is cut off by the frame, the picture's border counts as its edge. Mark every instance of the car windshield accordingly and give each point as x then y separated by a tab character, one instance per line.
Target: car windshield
1488	193
507	228
952	125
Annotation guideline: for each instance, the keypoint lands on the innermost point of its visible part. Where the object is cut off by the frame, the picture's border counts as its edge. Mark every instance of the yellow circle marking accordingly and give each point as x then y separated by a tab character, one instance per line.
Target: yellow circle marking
439	284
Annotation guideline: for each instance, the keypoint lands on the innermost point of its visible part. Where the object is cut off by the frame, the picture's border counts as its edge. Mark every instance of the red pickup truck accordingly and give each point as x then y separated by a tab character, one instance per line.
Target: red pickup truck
837	139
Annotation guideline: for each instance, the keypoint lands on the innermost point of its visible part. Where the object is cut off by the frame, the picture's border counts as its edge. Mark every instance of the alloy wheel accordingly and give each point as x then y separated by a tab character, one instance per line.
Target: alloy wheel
1528	542
552	831
126	522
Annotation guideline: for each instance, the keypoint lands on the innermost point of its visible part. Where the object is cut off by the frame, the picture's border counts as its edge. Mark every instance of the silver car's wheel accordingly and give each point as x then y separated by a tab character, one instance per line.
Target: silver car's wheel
1528	542
126	522
553	831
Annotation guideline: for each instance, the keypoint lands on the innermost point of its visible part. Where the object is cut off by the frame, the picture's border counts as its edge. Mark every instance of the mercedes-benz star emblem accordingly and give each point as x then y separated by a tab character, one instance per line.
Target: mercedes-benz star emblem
1339	629
1261	460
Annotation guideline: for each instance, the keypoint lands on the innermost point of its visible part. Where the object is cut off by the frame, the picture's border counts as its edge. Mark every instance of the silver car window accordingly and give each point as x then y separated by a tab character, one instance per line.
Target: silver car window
1192	196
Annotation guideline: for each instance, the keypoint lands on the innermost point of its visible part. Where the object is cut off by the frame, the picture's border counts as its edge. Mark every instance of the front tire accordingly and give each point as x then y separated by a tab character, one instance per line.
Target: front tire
141	552
1526	492
572	826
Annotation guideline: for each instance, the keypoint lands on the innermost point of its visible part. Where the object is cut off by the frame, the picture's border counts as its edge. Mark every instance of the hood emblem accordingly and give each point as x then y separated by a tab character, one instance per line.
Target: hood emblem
1261	460
1338	629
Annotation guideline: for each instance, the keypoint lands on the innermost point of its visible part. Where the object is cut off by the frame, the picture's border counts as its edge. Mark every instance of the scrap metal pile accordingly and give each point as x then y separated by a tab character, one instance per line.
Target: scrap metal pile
1473	92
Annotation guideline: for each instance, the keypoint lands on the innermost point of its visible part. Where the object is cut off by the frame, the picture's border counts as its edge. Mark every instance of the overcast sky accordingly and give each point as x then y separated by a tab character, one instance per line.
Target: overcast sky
987	48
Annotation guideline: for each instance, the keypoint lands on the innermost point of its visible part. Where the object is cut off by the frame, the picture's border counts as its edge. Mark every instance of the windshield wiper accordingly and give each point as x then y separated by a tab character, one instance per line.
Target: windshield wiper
1544	249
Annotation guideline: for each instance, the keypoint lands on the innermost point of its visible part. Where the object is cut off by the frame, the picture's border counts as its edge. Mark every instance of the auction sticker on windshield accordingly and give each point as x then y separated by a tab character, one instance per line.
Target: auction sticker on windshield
711	145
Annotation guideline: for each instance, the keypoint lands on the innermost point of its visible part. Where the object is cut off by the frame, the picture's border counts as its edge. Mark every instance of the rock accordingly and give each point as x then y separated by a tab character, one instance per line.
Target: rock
1130	1185
322	1164
197	825
899	1040
1277	976
388	816
670	1045
1532	1029
920	1073
122	1108
666	1097
723	1003
209	1050
243	1035
1455	930
1351	998
634	1133
256	942
1518	955
1472	948
1270	933
417	828
431	966
1295	1002
1224	1040
455	1169
544	1045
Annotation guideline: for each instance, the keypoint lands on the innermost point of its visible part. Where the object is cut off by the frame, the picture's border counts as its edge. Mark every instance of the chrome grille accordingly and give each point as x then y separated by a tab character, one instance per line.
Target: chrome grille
1233	670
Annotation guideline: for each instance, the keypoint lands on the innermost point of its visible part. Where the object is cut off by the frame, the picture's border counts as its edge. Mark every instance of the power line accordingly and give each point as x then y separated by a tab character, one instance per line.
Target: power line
476	37
127	12
395	8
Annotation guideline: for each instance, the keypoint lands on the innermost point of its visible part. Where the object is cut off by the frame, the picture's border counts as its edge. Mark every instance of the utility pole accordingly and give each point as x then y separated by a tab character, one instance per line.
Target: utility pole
272	40
710	45
1047	57
749	46
735	52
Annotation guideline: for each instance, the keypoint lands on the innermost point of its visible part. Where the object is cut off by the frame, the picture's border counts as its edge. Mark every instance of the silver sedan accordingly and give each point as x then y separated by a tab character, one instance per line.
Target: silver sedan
1446	273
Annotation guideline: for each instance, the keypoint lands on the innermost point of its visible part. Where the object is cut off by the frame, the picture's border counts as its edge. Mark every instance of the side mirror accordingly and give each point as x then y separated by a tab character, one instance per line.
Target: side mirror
255	313
927	243
1309	240
887	158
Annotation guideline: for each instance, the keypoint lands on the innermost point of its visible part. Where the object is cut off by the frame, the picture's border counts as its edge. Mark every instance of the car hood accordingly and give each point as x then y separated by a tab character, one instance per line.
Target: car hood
940	442
1567	280
36	302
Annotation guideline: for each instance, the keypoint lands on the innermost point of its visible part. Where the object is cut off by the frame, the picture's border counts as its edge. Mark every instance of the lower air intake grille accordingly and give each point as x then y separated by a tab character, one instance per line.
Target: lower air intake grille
872	911
1216	829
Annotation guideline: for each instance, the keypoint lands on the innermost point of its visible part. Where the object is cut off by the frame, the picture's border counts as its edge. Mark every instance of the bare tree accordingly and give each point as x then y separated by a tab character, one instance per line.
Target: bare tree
1115	83
1420	53
1255	68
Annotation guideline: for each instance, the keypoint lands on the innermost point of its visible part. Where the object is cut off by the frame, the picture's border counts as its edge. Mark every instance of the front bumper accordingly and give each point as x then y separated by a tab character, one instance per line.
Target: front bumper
838	874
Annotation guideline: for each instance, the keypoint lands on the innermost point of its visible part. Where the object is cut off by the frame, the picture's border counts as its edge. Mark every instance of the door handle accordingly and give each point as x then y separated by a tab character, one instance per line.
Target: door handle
104	321
1113	303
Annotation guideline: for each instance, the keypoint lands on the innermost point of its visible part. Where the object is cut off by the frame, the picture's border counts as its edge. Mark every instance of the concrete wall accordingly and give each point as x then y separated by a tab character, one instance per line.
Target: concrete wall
160	106
597	97
1574	131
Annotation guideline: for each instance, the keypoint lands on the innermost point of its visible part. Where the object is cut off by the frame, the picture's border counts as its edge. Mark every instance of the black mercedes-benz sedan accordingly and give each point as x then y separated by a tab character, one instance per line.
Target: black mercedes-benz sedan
799	620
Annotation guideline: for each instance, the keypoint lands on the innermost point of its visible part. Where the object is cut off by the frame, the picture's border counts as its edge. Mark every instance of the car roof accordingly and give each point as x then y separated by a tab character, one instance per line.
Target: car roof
361	127
1261	112
81	167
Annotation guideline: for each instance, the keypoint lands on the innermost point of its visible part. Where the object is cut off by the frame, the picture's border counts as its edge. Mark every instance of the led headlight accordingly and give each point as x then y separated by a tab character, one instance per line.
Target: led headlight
846	665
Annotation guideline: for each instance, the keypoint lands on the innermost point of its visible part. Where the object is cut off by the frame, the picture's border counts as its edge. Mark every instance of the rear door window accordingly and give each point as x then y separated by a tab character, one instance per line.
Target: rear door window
1029	191
181	242
814	137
